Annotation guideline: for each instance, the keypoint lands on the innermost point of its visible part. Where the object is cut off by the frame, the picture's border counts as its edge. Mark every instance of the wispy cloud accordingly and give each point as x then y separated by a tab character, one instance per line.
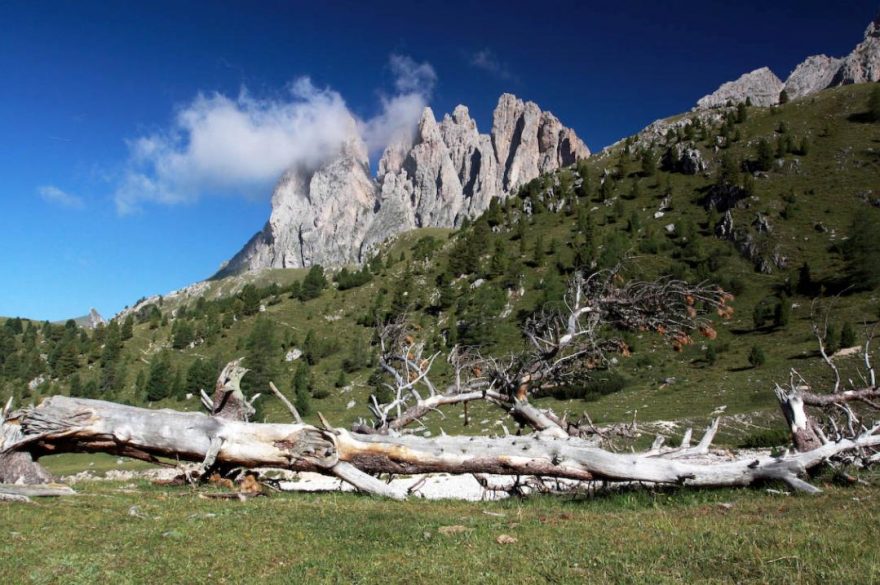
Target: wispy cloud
53	194
487	61
219	144
400	113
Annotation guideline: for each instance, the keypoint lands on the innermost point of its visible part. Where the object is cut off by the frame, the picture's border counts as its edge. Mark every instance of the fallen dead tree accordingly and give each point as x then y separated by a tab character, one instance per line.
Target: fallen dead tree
61	424
564	346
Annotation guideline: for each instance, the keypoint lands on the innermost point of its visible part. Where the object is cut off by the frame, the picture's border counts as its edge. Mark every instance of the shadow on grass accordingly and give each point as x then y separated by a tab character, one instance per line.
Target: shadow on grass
862	118
740	369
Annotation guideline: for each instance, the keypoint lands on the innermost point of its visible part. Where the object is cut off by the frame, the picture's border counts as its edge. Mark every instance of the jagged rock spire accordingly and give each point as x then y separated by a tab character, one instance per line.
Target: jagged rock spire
337	214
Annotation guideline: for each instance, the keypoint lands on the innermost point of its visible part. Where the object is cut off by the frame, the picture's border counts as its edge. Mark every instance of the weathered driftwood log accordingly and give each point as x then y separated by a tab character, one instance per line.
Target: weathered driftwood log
62	424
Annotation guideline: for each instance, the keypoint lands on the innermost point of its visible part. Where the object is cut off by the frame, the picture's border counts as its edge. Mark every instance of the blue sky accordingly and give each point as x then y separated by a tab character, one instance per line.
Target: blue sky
92	90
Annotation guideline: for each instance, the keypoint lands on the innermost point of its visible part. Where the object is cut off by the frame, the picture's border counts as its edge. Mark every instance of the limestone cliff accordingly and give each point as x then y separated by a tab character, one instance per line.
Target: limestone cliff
337	213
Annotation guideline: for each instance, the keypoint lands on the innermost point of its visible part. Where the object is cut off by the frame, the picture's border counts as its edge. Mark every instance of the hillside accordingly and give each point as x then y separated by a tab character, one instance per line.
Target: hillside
783	187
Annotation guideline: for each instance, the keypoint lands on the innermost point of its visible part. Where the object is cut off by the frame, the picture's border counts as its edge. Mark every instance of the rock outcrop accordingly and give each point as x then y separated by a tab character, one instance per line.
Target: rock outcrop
337	214
863	64
319	216
94	319
761	86
684	158
814	74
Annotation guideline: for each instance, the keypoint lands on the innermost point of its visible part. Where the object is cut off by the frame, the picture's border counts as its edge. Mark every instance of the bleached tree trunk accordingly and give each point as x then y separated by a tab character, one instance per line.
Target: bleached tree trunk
17	466
61	424
803	428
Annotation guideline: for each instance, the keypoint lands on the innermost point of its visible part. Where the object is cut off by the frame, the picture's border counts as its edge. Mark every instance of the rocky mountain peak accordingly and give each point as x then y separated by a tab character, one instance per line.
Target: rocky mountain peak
863	64
816	73
761	86
94	319
428	131
337	214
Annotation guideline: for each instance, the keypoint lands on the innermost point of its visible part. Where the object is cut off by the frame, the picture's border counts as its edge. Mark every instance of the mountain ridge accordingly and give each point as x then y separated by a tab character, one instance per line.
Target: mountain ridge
817	72
447	172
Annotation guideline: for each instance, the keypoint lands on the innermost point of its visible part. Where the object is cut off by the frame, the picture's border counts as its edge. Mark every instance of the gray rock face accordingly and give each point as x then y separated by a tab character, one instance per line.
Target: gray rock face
318	216
529	142
473	158
863	64
685	158
337	214
814	74
94	319
761	85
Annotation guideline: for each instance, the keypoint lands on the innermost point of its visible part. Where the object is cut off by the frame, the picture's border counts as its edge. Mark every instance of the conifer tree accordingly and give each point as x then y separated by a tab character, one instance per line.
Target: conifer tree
301	389
314	283
262	352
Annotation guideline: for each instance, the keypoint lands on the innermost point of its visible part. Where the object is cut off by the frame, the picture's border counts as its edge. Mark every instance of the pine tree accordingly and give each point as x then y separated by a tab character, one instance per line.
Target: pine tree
447	292
250	299
649	162
127	330
804	147
181	334
757	357
860	250
805	281
68	360
742	113
310	348
160	379
404	297
76	389
783	97
112	344
451	329
635	192
538	252
262	353
711	355
499	261
832	340
301	387
155	317
874	105
765	155
782	313
847	335
584	189
178	385
201	375
314	283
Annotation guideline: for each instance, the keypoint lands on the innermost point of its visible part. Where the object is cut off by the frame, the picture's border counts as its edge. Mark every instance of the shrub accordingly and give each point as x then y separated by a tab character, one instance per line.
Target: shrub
767	438
601	384
847	335
757	357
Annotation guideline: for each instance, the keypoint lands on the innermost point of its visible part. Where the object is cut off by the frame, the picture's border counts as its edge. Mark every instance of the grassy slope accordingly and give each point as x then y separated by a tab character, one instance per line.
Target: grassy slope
628	538
842	163
723	536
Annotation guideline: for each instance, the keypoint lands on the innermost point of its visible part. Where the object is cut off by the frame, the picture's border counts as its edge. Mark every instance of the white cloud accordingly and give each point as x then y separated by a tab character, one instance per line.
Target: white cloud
234	145
412	77
487	61
401	112
218	144
53	194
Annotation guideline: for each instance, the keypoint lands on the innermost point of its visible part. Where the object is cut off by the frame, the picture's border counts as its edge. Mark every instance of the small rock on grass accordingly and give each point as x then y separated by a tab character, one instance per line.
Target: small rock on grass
505	539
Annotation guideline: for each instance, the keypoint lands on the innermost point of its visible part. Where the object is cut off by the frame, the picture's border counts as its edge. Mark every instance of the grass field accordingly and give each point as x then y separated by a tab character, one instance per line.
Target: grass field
721	536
